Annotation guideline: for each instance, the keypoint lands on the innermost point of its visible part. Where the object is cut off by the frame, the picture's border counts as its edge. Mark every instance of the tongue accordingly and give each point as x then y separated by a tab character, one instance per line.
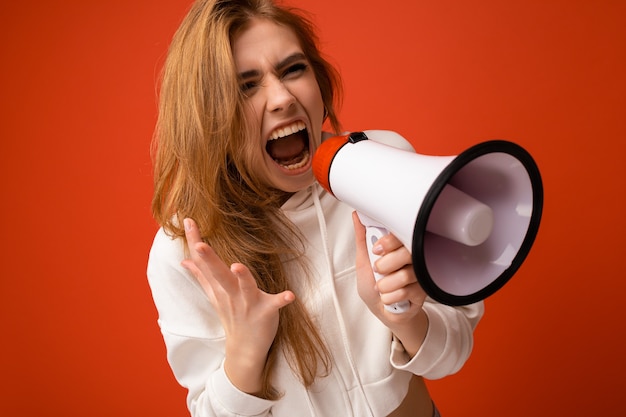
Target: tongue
287	148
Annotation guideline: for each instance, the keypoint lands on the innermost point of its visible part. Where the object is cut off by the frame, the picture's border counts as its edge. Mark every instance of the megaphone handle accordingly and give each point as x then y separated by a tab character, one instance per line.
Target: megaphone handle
372	234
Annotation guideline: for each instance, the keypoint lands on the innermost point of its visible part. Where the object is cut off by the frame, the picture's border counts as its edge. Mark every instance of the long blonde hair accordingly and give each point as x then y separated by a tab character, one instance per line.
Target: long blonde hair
202	168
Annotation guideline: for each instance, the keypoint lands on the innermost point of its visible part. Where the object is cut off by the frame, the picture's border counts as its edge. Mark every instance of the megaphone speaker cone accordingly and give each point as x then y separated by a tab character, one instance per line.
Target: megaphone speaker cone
505	178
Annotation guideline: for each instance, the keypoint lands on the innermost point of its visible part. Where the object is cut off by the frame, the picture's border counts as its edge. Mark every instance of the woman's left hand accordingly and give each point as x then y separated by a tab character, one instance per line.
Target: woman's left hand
398	284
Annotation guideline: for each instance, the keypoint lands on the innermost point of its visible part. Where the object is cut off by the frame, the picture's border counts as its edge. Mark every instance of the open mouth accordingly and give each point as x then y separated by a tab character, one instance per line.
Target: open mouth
289	146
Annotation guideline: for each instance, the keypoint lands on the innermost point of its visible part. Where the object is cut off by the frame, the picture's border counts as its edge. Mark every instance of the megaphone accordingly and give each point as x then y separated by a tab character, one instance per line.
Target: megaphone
469	220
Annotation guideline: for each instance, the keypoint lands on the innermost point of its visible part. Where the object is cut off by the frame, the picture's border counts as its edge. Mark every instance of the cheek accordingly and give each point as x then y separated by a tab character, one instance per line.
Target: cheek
253	123
318	102
317	118
315	106
252	150
320	106
254	117
310	96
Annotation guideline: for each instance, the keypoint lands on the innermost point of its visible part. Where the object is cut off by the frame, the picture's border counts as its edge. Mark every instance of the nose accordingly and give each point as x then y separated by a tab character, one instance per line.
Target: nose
279	97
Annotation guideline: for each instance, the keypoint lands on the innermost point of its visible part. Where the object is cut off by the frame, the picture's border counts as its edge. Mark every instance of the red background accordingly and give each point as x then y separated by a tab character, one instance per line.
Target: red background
77	81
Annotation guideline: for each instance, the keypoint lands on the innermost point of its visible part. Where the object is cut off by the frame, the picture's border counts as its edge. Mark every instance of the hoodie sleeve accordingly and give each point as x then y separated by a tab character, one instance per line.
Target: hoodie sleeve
194	337
448	342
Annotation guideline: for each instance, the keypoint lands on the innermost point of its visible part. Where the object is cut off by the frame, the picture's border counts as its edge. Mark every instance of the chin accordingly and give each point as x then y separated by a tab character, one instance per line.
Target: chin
295	184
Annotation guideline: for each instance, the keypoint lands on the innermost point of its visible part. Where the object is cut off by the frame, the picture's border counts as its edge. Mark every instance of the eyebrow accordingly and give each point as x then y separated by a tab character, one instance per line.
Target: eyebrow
298	56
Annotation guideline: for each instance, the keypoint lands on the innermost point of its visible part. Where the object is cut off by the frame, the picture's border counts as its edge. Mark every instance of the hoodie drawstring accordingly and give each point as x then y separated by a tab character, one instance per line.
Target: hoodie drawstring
331	273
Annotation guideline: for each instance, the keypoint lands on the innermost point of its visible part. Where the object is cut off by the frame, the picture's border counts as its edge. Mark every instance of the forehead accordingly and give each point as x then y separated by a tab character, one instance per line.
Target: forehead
263	43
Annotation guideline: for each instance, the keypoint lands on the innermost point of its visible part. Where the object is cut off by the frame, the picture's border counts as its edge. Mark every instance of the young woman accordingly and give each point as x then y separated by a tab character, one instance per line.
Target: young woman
266	297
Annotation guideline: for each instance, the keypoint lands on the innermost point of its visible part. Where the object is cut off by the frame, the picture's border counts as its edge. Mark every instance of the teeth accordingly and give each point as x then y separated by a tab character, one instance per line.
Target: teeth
303	162
287	130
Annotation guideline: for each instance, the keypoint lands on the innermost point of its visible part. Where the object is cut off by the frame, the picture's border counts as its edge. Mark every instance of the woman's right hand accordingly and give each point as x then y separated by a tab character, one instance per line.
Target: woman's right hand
249	316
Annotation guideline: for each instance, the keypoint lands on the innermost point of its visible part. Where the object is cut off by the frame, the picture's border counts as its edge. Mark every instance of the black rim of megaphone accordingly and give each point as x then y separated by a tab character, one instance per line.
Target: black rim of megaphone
419	262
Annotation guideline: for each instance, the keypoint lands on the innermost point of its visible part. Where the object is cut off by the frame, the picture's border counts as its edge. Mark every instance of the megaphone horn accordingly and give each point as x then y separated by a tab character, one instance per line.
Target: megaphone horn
469	220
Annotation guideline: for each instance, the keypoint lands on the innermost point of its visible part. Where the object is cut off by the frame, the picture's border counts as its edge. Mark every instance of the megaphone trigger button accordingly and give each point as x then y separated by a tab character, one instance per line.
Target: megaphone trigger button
377	249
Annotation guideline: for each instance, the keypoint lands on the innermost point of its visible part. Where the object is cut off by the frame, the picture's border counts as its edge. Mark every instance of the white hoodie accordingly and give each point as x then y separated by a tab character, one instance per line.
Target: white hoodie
370	370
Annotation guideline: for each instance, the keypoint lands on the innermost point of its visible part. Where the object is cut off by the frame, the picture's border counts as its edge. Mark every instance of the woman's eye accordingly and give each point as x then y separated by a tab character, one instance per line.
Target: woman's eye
248	87
295	69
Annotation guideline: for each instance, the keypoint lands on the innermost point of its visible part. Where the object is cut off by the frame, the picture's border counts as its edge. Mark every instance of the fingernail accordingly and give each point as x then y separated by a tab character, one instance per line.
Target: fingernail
187	224
377	249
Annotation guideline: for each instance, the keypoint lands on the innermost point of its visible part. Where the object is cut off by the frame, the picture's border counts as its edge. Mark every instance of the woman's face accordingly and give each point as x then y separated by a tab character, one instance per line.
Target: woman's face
284	108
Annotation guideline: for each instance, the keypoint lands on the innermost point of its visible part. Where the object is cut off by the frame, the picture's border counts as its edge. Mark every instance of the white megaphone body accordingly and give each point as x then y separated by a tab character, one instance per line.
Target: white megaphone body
469	220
